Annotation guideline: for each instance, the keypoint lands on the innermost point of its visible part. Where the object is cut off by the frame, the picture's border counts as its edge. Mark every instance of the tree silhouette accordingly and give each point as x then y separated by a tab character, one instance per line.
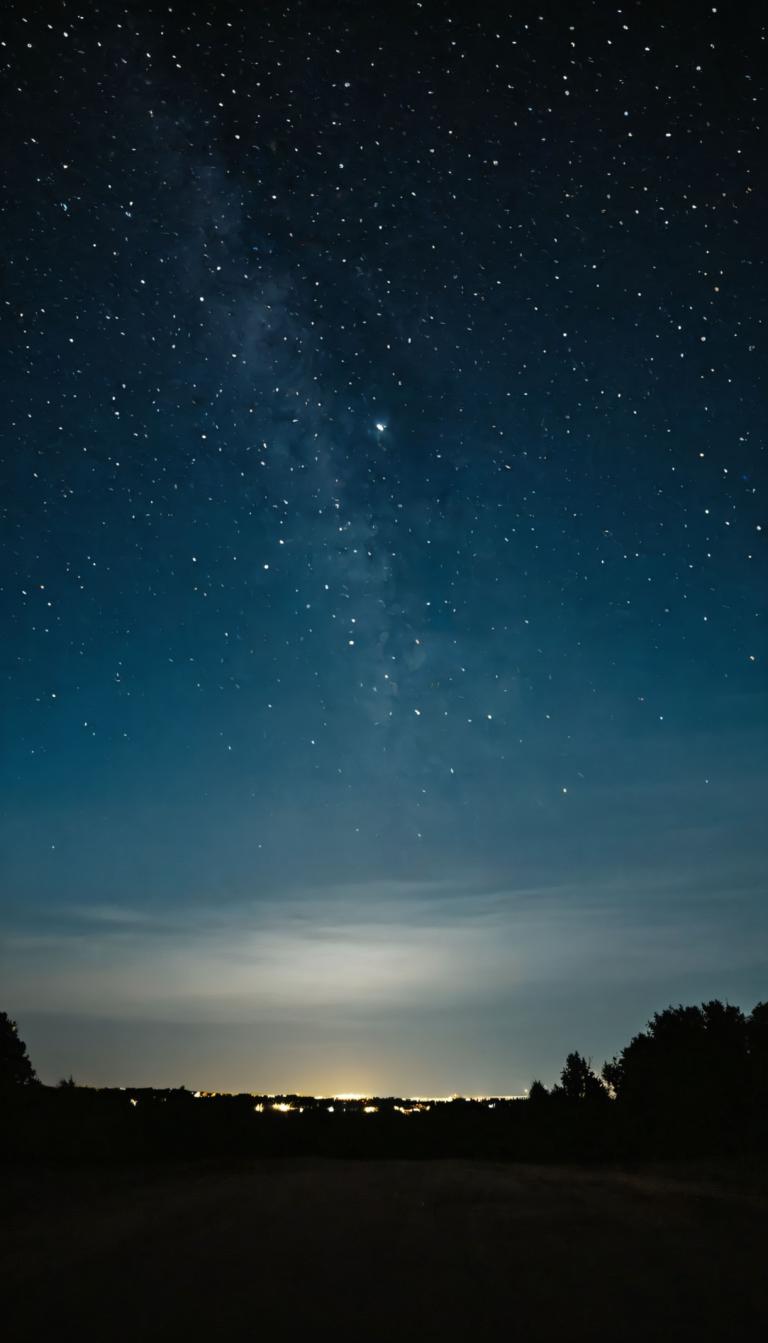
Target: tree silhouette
537	1092
15	1067
578	1081
690	1058
757	1045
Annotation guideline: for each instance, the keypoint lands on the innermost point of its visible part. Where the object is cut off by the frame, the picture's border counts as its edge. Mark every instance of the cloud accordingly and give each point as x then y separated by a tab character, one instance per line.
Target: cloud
374	949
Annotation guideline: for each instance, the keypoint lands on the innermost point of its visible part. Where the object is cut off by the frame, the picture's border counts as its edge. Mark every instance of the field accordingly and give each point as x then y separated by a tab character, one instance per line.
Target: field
399	1250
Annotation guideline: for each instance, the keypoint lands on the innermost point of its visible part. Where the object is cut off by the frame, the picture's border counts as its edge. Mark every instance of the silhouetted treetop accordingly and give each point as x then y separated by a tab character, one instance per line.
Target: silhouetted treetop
15	1067
686	1056
578	1081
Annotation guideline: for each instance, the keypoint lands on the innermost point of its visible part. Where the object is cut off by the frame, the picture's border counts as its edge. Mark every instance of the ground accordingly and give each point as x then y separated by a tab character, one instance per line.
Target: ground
399	1250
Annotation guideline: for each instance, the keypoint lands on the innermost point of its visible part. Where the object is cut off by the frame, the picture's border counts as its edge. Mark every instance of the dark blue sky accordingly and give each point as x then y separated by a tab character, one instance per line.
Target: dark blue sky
383	580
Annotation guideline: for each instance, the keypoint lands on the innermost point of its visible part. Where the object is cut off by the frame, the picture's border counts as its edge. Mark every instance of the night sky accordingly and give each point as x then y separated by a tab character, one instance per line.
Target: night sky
383	536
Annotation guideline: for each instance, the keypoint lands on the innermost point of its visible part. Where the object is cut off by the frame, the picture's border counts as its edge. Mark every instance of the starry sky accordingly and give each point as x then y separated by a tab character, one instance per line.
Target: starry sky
383	536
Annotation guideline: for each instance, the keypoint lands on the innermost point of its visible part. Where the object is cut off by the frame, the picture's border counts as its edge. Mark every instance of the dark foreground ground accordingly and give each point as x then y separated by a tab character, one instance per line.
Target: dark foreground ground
398	1250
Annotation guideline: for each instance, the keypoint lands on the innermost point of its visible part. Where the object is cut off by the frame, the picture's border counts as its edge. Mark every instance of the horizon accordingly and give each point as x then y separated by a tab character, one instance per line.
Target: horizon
348	1097
353	1096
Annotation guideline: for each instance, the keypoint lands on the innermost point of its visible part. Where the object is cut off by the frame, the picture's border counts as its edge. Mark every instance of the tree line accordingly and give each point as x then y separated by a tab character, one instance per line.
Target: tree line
693	1082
